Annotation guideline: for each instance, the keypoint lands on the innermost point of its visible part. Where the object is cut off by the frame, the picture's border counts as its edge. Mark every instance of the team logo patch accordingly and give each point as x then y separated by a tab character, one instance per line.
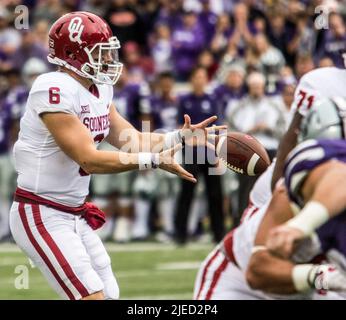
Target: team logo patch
76	28
85	109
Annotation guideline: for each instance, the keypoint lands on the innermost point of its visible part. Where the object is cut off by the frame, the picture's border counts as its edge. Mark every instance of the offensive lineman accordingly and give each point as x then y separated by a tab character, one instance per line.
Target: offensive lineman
68	113
315	171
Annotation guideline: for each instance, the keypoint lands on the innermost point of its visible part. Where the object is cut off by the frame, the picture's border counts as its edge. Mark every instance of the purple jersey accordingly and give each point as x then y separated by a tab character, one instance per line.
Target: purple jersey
11	109
225	94
208	20
301	161
164	113
128	101
187	43
198	108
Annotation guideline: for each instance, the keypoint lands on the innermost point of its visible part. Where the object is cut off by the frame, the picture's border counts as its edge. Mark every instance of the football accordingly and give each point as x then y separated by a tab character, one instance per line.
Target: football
242	153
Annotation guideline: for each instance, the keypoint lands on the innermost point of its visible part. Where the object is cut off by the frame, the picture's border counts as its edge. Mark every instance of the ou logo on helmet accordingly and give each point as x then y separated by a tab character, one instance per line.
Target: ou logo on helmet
75	28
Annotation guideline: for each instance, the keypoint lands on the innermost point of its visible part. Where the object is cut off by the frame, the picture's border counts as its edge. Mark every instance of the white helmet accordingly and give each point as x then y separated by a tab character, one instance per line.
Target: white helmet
326	120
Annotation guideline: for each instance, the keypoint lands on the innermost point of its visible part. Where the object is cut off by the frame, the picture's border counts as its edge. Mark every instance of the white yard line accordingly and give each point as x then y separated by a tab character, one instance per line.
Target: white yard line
184	265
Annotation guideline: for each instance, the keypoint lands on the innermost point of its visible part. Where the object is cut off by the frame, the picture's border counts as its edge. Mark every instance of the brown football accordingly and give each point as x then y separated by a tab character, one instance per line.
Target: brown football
242	153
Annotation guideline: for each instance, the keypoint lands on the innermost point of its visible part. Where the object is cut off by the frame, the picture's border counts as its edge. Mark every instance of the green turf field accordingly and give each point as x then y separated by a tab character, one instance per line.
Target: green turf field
143	270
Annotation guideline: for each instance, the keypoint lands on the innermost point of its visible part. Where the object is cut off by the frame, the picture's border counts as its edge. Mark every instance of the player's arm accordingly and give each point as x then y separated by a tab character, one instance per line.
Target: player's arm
287	143
124	136
76	141
272	274
324	195
265	271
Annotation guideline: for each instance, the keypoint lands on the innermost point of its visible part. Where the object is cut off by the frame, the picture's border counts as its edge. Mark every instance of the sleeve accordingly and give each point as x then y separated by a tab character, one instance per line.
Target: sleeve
304	96
52	99
300	162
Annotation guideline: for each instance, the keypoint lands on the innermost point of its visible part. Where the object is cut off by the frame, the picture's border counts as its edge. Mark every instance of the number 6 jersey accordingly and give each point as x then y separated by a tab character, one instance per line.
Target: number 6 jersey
42	167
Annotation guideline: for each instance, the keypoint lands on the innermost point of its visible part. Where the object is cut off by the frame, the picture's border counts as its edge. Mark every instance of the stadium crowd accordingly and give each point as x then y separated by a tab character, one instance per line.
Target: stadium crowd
240	60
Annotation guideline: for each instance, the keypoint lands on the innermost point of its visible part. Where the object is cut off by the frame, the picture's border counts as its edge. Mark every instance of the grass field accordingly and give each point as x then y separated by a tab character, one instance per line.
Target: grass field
143	270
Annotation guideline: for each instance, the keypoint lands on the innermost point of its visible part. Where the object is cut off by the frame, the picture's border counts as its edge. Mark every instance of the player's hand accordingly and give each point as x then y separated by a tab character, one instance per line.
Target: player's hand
168	163
200	134
327	277
283	239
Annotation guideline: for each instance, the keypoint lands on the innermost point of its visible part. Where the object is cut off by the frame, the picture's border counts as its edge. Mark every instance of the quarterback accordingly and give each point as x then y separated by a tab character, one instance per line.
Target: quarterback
68	113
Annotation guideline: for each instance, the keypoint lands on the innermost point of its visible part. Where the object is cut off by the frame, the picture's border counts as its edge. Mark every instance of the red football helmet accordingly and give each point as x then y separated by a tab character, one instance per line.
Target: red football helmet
84	43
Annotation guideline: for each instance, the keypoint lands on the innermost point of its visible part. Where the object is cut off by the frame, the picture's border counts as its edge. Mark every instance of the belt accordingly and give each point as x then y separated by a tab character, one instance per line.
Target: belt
24	196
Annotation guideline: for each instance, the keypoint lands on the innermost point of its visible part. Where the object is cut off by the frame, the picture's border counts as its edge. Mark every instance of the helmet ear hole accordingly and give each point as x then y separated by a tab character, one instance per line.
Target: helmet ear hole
71	55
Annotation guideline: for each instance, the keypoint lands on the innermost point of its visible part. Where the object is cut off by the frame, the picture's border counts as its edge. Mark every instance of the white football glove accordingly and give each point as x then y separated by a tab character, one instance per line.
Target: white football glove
327	277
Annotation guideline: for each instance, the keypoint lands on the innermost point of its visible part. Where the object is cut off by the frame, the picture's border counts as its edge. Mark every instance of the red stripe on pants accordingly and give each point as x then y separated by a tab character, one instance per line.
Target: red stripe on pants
216	278
56	251
39	250
205	273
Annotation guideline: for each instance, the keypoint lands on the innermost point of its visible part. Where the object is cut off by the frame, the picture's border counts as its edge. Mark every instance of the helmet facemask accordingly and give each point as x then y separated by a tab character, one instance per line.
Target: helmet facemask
103	66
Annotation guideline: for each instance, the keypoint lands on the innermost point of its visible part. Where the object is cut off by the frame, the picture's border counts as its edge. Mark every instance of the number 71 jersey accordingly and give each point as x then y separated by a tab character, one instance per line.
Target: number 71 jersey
42	167
319	83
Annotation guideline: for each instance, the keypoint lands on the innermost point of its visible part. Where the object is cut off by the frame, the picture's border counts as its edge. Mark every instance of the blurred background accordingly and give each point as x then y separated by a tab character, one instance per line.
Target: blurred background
240	60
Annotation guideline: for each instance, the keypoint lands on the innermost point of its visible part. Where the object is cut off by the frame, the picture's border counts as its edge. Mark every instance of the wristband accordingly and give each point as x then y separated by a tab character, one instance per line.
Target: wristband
148	160
312	216
300	276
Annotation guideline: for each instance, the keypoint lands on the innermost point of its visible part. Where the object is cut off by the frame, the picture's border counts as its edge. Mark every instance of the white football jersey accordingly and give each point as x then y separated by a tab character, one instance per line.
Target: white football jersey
261	191
319	83
42	167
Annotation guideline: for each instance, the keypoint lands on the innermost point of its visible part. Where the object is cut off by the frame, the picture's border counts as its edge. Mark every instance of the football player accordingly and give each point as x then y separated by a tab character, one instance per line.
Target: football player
315	176
317	84
242	264
68	113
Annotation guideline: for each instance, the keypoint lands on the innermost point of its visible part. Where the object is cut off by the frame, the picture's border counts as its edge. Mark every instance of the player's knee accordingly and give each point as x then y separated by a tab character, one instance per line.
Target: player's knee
111	289
102	261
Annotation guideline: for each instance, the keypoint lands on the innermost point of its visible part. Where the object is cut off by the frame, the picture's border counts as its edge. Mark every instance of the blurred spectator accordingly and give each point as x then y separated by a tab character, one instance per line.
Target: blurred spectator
126	23
242	31
187	42
29	48
49	10
10	38
279	32
140	67
232	90
41	29
98	7
161	49
164	103
326	62
221	36
128	99
335	40
304	64
256	115
9	117
164	110
208	20
199	105
284	103
303	41
171	13
264	57
207	61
